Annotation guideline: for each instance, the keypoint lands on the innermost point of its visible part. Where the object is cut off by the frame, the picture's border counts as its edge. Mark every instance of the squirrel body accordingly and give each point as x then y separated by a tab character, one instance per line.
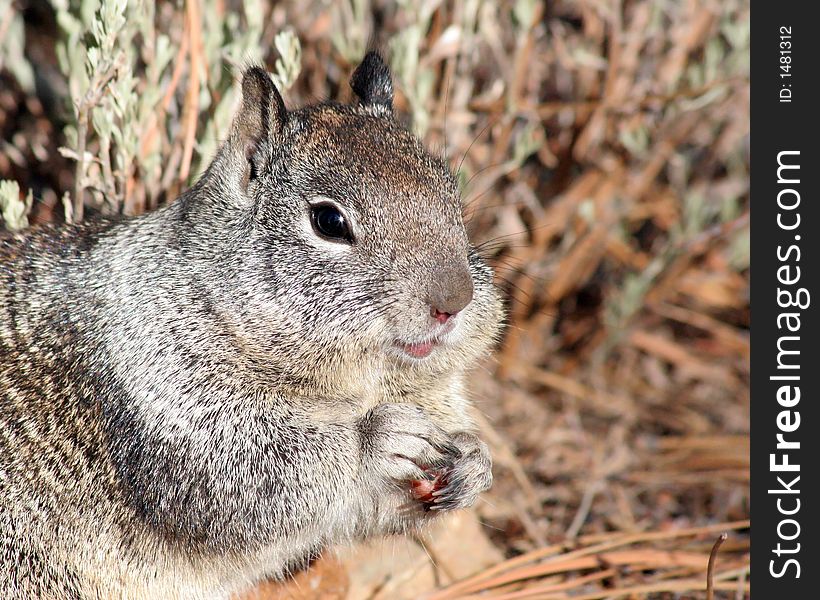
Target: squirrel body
212	393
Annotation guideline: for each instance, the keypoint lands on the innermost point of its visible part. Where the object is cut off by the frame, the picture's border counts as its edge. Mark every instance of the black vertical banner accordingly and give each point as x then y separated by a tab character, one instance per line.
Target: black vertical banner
785	299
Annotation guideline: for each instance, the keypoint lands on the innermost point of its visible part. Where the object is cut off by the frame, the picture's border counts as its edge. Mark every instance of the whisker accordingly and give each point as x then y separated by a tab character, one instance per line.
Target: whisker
516	271
509	235
494	206
444	129
479	172
510	283
475	139
472	201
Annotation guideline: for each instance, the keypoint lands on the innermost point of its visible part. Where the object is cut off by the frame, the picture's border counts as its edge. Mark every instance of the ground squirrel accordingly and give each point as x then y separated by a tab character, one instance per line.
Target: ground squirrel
205	395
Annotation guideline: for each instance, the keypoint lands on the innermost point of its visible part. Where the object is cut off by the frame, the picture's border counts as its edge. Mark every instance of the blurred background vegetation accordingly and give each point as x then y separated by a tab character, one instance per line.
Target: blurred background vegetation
603	150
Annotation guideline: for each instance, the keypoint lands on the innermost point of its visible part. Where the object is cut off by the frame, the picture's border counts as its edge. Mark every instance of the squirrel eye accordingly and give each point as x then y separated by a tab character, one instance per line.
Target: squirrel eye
330	223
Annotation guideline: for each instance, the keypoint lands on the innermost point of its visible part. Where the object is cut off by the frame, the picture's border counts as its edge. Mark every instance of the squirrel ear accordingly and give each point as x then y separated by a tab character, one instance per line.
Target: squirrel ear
261	118
372	82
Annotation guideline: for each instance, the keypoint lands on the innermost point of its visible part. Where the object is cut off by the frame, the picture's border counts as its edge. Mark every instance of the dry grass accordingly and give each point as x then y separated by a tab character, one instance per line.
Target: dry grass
615	558
604	151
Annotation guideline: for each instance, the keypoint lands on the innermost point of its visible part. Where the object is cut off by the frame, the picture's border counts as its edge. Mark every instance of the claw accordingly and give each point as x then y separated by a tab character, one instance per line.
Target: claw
451	450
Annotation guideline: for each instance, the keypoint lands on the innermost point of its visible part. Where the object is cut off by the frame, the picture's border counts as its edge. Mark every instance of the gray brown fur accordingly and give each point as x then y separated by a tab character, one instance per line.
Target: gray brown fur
208	394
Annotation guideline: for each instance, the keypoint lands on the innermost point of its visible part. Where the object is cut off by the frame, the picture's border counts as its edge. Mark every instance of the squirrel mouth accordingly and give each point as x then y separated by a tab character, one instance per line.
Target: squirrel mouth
419	350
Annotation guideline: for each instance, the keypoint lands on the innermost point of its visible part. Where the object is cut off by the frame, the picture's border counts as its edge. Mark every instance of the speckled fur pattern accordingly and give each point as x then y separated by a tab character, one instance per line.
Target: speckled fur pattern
209	394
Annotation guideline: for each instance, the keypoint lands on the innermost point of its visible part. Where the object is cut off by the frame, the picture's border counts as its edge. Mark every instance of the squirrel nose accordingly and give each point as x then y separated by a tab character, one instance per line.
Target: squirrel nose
450	291
441	317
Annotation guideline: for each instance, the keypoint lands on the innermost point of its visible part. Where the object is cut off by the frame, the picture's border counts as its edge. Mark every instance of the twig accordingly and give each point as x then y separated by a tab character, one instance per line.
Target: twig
4	26
510	460
522	61
583	510
680	586
547	110
162	108
710	570
539	591
91	98
192	99
602	544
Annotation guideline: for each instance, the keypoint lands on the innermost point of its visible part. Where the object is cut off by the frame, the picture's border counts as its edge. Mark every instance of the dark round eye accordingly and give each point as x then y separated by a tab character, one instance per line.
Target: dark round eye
330	223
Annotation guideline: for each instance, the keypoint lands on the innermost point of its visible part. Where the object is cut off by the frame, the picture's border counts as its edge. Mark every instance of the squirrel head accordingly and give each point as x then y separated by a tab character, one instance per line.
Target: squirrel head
343	252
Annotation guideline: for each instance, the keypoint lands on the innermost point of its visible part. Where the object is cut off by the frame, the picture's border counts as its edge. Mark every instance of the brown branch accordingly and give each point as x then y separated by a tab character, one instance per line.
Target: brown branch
602	543
159	116
4	26
91	98
192	98
710	570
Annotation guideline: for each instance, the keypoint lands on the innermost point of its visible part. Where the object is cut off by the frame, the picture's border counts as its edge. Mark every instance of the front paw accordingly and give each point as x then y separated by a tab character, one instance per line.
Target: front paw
403	445
459	483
